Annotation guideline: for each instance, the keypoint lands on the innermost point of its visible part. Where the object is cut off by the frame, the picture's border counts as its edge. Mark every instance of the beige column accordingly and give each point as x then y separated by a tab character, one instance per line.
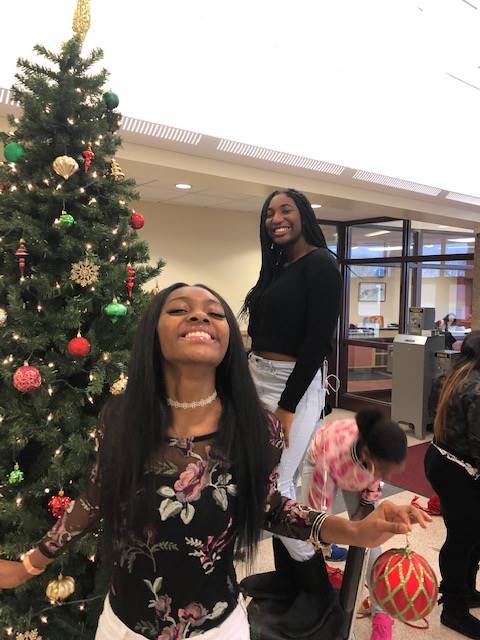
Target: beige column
476	285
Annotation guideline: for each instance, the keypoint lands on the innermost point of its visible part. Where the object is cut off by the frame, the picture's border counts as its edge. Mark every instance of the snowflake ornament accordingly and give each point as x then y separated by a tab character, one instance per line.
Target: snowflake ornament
84	272
29	635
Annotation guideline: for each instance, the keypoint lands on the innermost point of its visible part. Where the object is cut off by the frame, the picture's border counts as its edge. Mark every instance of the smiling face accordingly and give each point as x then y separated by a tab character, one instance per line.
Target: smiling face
283	221
192	328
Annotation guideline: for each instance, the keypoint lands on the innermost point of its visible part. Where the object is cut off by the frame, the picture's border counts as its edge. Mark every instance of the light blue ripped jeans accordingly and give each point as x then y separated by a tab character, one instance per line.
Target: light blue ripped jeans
270	378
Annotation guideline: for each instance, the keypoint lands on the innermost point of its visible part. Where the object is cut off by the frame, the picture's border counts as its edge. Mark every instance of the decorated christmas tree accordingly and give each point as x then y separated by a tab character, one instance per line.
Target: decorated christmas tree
71	271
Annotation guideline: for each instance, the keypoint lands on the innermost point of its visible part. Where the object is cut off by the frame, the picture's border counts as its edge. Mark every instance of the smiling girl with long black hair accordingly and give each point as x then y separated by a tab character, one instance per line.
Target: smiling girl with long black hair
186	473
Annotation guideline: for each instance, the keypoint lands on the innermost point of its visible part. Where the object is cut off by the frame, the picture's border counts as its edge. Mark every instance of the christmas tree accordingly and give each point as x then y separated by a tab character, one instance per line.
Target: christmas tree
71	271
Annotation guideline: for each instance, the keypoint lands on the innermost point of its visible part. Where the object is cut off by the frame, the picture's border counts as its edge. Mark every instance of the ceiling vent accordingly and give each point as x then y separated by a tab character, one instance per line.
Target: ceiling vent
279	157
395	183
160	131
461	197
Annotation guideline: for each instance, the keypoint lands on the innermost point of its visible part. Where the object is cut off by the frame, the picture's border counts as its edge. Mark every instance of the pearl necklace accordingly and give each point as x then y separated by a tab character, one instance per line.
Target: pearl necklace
192	405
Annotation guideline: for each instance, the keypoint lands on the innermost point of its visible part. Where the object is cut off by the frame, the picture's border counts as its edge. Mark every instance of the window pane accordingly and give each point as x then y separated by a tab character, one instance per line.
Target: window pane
374	301
376	240
368	372
446	286
430	239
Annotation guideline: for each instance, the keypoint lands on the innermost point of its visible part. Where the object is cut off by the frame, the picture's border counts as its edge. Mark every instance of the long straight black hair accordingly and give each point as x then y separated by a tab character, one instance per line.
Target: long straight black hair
468	361
135	425
272	253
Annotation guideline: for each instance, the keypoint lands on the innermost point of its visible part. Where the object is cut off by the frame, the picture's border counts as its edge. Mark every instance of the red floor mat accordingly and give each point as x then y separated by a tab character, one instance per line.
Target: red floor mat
413	477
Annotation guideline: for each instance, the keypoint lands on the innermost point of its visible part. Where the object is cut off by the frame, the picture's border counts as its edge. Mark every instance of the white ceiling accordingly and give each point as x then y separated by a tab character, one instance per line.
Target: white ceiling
387	86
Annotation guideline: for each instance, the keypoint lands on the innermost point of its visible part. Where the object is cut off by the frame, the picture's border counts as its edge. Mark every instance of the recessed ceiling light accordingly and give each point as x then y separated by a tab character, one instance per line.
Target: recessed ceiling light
376	233
316	206
183	185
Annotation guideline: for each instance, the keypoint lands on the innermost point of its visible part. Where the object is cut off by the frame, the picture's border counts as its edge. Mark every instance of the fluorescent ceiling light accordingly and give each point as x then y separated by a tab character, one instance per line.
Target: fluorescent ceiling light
428	246
183	185
460	239
316	206
354	248
376	233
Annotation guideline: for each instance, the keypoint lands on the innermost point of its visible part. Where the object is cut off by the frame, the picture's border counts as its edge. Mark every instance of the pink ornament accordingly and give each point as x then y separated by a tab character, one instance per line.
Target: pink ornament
27	379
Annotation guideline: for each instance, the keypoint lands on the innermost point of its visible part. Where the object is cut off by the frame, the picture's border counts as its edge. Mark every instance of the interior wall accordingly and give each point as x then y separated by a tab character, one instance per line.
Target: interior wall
217	248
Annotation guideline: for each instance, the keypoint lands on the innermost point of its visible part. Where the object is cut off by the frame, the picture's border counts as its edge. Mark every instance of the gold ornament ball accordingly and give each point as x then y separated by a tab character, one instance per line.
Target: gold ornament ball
119	386
3	317
65	166
59	589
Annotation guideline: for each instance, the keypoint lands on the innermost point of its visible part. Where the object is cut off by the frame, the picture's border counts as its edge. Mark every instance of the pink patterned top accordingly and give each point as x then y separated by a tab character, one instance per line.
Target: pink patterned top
333	453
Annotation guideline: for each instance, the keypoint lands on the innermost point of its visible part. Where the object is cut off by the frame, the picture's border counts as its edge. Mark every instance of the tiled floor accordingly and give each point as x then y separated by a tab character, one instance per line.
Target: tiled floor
426	542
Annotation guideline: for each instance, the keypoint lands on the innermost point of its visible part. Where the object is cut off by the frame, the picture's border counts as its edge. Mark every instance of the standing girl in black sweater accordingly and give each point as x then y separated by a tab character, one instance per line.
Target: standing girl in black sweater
293	311
452	465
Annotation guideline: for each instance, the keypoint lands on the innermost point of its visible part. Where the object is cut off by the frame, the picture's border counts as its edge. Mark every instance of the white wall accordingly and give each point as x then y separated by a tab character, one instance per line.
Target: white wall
217	248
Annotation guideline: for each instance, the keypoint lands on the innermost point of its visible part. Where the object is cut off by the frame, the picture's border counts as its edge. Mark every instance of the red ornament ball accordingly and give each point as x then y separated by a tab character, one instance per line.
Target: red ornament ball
58	504
404	585
27	379
79	347
137	220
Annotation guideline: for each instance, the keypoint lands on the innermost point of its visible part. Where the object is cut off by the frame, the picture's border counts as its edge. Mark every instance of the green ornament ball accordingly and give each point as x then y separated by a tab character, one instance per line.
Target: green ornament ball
111	100
115	310
13	152
16	476
66	219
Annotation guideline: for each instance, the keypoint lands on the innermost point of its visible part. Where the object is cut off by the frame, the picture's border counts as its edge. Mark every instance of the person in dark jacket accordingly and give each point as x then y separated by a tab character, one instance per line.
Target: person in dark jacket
452	465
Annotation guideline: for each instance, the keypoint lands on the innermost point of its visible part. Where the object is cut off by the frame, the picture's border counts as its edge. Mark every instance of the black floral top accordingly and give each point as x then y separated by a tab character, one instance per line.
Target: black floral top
174	577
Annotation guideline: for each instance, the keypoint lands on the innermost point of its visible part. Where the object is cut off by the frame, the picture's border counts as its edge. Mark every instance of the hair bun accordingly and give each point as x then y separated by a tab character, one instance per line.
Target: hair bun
367	419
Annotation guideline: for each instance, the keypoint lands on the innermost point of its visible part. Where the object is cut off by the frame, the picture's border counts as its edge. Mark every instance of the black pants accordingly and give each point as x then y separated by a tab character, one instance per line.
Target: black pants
459	495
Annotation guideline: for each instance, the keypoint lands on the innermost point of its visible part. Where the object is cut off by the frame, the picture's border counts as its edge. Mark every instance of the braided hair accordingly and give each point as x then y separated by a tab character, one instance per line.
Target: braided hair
272	254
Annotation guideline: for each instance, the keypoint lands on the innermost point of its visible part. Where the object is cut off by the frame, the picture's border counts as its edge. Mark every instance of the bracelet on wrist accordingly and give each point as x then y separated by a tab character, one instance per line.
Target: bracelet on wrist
28	566
315	534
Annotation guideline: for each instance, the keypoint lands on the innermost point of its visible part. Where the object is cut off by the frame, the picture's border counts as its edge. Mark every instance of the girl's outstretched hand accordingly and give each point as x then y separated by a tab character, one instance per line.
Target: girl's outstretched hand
388	520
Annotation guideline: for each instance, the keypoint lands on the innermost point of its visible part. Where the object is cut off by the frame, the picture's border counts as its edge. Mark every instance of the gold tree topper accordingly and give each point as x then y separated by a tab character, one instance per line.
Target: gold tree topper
81	19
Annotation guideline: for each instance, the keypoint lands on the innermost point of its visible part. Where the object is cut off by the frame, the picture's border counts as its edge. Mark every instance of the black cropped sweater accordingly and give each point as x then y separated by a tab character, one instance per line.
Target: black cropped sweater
297	315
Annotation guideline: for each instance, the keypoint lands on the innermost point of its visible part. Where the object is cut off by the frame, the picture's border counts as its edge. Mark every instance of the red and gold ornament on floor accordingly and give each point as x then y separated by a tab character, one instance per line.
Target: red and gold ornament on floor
59	504
130	282
22	255
88	155
404	585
